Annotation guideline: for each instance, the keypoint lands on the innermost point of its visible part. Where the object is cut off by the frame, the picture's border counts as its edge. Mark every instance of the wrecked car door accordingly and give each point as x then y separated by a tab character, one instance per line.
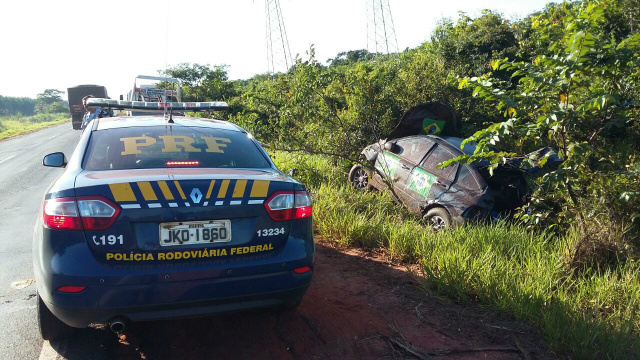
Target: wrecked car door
402	157
428	183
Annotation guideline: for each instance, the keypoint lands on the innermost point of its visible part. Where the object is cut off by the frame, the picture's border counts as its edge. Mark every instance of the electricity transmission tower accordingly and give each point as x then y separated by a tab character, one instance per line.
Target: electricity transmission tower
381	34
278	53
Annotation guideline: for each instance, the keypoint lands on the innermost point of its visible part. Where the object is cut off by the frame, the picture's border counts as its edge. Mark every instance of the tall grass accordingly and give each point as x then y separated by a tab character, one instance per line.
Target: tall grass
590	314
17	125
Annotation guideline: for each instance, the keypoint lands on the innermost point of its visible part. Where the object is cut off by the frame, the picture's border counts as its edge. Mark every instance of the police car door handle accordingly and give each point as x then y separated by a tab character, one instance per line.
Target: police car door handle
440	183
406	167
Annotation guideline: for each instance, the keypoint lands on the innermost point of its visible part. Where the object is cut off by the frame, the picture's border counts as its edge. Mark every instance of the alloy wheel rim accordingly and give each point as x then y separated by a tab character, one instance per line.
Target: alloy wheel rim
360	179
437	222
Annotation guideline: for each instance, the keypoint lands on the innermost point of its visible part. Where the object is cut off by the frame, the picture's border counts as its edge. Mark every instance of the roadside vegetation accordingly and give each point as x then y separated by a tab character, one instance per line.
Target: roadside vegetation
15	125
20	115
588	312
567	77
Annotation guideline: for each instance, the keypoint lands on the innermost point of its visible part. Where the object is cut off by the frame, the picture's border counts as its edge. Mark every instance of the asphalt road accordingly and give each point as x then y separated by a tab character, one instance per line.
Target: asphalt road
23	181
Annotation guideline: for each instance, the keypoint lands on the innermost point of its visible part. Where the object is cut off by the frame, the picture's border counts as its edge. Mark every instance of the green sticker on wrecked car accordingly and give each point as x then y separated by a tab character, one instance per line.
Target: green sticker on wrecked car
387	164
421	181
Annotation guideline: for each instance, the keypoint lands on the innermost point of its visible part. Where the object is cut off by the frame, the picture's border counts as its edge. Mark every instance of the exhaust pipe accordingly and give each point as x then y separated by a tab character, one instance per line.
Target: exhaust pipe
117	324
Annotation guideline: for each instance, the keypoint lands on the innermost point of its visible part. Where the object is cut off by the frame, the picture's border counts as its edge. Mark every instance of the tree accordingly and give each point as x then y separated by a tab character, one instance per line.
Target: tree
351	57
50	101
50	96
13	106
580	99
202	82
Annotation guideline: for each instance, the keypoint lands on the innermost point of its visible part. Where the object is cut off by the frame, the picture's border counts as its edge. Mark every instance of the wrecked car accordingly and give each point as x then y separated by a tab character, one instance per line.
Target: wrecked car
407	164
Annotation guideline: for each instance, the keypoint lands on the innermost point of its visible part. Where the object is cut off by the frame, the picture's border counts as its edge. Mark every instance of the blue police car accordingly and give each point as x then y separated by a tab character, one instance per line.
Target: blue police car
162	217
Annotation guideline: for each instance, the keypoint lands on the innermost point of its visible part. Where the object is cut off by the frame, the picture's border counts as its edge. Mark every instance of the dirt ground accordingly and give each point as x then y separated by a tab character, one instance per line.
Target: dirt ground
359	306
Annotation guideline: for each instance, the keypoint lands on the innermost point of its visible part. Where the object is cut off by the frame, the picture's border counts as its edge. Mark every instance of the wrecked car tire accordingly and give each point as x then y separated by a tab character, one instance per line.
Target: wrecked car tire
437	218
359	178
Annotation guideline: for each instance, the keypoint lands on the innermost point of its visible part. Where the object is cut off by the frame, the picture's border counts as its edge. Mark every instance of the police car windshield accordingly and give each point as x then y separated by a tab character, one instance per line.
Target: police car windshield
147	147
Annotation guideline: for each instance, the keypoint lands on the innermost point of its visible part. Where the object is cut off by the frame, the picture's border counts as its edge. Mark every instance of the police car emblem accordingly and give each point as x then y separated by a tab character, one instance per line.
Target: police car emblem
196	195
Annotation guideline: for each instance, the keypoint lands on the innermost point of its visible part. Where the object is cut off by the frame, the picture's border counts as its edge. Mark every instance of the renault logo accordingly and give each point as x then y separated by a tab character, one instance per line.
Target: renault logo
196	195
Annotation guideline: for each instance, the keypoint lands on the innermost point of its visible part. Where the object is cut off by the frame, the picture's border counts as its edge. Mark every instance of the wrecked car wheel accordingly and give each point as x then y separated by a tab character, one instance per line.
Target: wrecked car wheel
438	218
359	177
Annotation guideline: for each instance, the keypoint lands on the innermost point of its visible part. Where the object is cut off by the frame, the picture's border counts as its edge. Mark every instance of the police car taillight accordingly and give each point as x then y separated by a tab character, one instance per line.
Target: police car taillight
289	205
97	213
61	214
88	213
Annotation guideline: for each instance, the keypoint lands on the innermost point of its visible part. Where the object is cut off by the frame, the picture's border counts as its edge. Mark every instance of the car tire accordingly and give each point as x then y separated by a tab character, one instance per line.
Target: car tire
438	218
51	328
359	177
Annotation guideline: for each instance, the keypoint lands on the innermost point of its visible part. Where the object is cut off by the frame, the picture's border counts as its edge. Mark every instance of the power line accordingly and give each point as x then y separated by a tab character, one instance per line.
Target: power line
278	52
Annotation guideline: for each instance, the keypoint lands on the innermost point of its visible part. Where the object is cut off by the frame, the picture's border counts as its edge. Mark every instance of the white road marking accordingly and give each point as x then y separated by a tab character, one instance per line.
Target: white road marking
54	136
5	159
49	353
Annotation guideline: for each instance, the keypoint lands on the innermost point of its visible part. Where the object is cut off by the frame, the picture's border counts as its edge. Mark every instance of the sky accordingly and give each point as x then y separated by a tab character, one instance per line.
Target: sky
59	44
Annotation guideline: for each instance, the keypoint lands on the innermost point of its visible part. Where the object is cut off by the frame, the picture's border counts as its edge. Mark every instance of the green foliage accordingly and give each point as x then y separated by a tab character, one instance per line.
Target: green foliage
313	171
16	105
351	57
202	82
50	96
470	44
50	101
565	77
321	109
579	97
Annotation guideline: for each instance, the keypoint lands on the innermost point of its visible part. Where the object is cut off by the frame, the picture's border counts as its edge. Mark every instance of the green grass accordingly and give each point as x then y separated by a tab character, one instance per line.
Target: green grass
11	126
590	314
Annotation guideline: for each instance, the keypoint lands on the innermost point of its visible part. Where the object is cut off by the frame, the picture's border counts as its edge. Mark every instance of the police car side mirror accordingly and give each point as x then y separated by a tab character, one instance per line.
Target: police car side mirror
56	159
292	172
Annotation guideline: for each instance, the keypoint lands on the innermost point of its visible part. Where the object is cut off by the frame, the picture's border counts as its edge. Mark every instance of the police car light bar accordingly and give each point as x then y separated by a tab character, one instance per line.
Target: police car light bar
156	106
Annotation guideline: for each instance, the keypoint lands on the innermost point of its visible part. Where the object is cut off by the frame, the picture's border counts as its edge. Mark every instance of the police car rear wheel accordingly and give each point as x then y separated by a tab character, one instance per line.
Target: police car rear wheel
51	328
